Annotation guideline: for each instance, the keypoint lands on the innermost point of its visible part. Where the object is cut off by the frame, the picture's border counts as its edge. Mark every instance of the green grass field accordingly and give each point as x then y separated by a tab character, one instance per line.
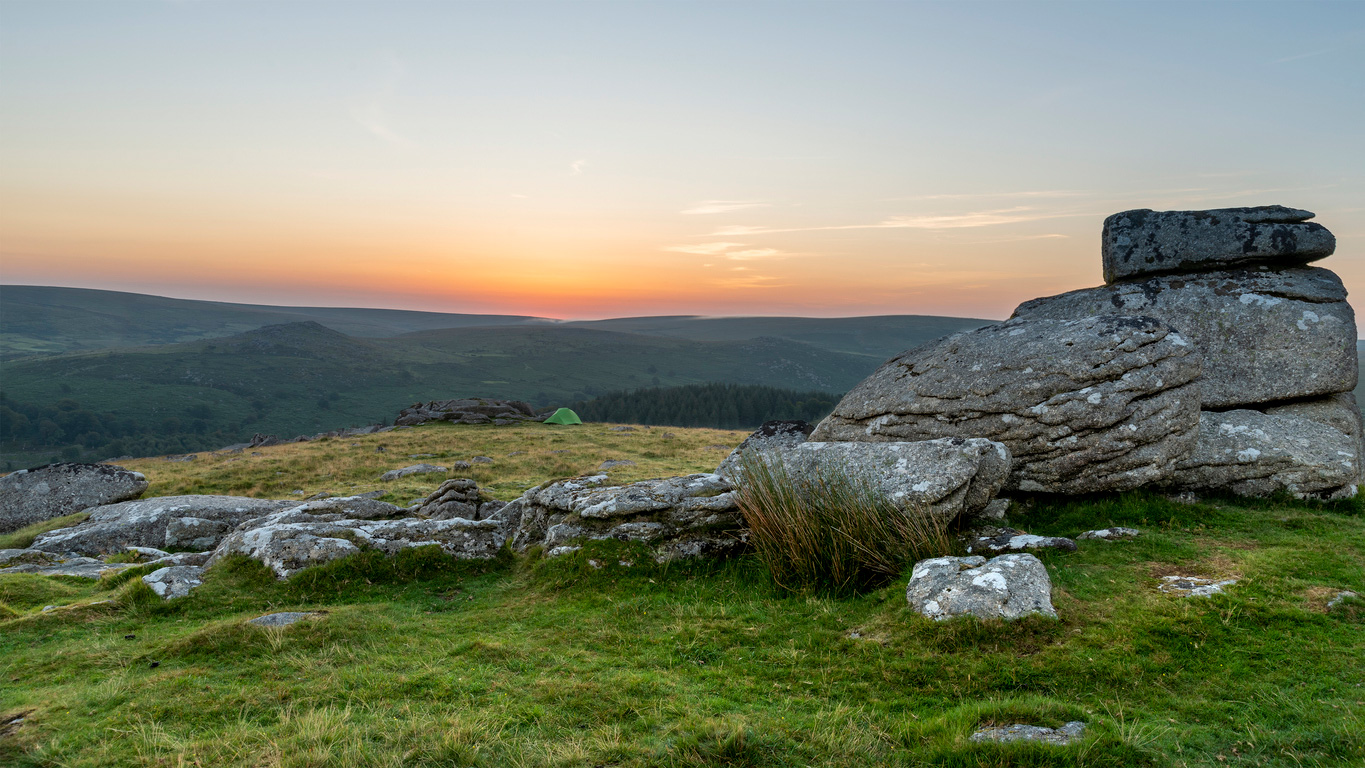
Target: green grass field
424	661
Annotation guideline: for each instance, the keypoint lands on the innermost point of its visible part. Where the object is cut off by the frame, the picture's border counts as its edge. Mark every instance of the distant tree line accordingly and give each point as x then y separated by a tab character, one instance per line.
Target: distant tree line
721	406
73	432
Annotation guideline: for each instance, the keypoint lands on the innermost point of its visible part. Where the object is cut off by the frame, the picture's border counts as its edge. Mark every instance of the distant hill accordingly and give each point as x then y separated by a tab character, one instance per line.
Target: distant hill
42	320
301	378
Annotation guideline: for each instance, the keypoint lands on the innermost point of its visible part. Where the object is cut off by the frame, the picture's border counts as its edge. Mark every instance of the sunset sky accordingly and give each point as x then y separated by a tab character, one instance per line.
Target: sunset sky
600	159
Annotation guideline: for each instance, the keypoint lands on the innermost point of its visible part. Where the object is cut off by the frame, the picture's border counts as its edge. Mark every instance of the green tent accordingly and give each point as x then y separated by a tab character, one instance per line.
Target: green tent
564	416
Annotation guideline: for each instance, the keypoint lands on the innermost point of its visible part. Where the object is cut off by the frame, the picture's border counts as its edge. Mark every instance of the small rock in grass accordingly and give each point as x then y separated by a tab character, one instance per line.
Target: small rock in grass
1191	586
282	619
1341	598
415	469
622	429
557	551
175	581
460	466
614	463
422	456
1020	732
1006	587
1110	534
481	460
1011	540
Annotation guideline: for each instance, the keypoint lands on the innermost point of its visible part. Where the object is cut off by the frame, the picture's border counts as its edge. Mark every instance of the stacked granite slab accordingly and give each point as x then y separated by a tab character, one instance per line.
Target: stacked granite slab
1277	338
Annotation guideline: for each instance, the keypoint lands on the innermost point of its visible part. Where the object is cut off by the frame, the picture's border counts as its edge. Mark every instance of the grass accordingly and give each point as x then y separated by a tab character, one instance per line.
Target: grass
832	529
523	456
425	661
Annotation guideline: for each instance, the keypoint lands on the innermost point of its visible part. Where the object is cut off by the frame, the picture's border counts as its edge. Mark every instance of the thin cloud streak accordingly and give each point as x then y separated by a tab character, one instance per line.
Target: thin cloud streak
723	206
577	166
960	221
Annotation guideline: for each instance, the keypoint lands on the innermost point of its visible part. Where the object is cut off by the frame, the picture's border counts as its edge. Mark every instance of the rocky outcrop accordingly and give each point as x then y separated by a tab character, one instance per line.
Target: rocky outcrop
458	498
677	516
1004	587
947	477
1094	404
1145	242
1265	335
470	411
33	495
773	435
1251	453
143	523
289	547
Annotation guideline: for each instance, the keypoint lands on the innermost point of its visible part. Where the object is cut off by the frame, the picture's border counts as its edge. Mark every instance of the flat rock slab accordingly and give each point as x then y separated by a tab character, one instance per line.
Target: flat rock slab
1011	540
1143	242
174	581
282	619
1116	533
31	496
948	477
1004	587
1095	404
1265	335
142	523
415	469
1193	586
59	564
1006	734
1250	453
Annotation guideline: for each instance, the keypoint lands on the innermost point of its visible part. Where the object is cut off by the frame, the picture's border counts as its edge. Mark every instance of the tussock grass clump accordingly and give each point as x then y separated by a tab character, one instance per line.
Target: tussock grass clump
832	529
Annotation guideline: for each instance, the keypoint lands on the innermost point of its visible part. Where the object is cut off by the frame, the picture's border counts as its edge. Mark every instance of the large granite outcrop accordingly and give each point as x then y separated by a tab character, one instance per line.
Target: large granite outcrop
1143	242
1251	453
947	477
33	495
1093	404
112	528
1265	335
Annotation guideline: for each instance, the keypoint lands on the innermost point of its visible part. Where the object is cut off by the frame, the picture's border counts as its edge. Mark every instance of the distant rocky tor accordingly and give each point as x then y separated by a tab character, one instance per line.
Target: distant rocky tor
1213	359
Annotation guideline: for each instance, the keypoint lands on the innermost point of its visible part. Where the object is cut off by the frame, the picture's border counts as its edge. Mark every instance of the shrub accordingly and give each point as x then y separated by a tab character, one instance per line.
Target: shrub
831	529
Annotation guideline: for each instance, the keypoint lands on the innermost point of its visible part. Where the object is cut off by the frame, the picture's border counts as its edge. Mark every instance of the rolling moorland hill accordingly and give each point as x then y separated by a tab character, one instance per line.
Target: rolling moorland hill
303	378
43	320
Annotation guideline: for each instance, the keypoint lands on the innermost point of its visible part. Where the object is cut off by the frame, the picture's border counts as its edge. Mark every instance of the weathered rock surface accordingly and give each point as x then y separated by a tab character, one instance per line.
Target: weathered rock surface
1193	586
458	498
1004	587
948	477
1004	540
1116	533
1265	335
1144	242
415	469
289	547
1094	404
1005	734
1250	453
469	411
31	496
143	523
175	581
773	435
55	564
686	516
195	533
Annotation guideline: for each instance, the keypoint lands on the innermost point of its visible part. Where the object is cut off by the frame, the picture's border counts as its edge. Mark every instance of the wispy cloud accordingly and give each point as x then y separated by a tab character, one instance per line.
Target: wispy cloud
577	166
724	206
1296	57
992	218
370	111
727	251
1038	193
703	249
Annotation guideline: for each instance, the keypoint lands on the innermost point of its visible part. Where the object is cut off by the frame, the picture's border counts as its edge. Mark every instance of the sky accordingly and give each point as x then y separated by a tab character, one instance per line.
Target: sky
602	159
